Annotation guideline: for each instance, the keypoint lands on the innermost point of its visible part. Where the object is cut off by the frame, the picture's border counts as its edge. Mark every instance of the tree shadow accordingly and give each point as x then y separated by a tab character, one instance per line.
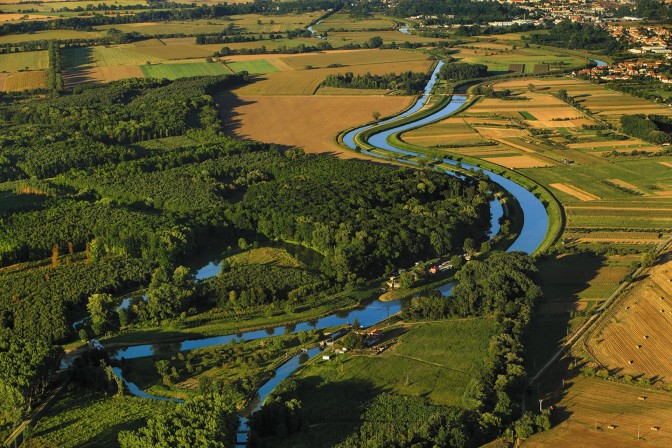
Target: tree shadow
331	410
562	279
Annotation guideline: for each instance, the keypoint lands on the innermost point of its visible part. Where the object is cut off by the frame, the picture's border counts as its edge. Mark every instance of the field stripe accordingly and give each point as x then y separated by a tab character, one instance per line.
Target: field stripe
574	191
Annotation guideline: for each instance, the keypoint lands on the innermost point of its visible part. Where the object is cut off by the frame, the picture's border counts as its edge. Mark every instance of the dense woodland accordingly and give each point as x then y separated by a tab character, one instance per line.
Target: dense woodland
577	36
127	180
408	82
651	128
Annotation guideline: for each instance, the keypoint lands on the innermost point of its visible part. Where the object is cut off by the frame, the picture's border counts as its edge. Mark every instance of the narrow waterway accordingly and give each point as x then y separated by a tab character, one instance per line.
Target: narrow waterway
533	232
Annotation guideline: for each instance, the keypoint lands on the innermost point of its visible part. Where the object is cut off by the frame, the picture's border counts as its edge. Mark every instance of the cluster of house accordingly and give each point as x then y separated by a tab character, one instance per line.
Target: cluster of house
628	70
647	39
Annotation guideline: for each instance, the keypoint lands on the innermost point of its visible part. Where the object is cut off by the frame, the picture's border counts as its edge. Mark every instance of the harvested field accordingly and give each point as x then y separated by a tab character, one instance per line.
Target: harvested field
86	75
627	185
306	82
518	162
309	122
500	133
607	104
257	67
23	17
667	164
637	339
349	58
16	82
588	406
574	191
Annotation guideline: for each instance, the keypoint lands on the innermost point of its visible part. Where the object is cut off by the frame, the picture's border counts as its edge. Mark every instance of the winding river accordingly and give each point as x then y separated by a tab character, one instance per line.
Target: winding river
530	238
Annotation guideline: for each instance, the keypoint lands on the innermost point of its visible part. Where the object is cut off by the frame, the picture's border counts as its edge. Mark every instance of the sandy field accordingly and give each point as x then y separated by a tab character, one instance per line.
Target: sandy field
638	339
624	184
309	122
518	162
574	191
588	407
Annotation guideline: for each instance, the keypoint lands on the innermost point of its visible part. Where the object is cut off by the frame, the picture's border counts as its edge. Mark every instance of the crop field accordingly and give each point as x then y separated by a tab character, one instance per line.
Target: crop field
174	71
500	59
541	110
604	103
645	175
16	82
349	58
589	406
306	82
245	23
309	122
344	22
637	339
50	35
29	60
253	67
523	161
387	36
9	17
68	423
114	55
87	74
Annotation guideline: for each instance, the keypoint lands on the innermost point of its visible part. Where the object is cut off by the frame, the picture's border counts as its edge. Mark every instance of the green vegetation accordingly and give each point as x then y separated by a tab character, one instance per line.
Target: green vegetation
175	71
69	421
408	82
253	67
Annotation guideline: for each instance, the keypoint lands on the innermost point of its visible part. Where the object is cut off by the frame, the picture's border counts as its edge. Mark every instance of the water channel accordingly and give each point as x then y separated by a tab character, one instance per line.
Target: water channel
530	238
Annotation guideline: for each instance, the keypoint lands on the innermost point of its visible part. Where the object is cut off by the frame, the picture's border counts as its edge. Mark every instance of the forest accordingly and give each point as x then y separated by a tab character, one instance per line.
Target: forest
577	36
135	176
408	82
651	128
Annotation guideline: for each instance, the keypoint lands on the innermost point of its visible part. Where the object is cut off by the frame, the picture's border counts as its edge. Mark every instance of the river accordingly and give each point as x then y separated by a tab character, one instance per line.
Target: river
533	232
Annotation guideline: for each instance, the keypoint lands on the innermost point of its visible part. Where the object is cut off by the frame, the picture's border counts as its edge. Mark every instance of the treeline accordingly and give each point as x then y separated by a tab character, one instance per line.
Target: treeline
55	71
458	71
500	286
208	420
26	369
409	82
651	128
464	11
174	14
298	49
577	36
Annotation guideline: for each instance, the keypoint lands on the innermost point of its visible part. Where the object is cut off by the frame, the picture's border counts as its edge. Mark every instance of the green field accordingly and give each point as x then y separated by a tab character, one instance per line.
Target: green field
346	23
174	71
105	56
433	360
29	60
528	116
92	419
49	35
253	67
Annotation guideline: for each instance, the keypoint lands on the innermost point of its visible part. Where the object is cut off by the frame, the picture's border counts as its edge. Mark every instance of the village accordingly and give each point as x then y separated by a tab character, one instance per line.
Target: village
623	71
